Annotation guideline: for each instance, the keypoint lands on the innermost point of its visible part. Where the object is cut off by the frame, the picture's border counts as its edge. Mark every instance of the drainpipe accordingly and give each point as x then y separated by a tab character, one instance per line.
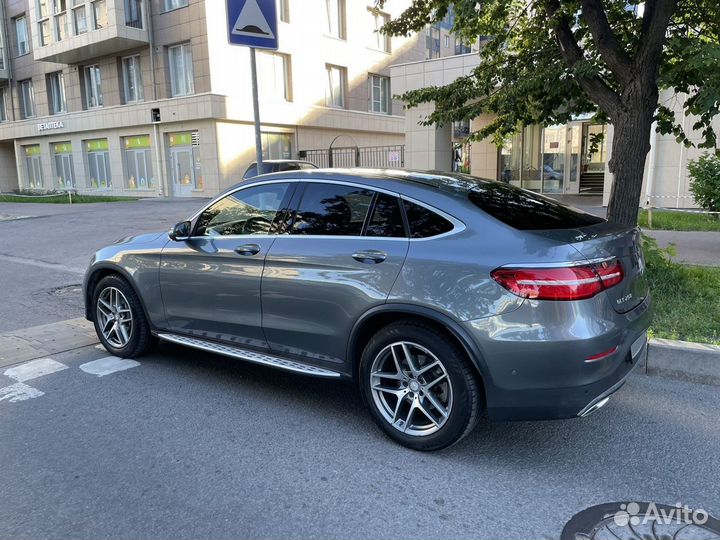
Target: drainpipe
162	177
151	40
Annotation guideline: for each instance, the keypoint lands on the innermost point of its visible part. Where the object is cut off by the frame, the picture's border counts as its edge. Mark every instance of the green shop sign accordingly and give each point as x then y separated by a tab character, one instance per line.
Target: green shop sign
33	150
97	145
62	148
181	139
140	142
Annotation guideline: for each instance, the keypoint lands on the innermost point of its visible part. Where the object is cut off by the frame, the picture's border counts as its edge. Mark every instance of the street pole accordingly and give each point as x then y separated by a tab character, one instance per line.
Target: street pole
256	111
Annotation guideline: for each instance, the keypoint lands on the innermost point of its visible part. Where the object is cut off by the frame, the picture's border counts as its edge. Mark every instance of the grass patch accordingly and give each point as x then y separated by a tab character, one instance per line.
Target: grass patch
685	298
63	199
679	221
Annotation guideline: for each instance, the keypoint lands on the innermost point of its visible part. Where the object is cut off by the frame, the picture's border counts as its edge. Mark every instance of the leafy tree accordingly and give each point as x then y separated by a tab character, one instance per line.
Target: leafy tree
549	60
705	185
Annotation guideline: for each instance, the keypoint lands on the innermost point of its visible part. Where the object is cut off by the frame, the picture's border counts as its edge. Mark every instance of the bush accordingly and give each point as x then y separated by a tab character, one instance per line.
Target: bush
705	185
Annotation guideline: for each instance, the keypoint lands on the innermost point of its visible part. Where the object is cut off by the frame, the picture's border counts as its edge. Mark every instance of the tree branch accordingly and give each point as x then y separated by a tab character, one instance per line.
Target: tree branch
605	40
654	28
572	54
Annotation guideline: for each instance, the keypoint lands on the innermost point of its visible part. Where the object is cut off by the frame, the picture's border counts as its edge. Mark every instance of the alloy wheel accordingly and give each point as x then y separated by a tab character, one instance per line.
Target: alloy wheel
411	388
114	317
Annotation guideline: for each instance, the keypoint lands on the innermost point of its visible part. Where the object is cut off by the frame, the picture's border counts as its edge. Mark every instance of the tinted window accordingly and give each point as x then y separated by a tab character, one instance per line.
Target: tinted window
525	210
386	219
424	223
333	210
307	166
248	211
251	171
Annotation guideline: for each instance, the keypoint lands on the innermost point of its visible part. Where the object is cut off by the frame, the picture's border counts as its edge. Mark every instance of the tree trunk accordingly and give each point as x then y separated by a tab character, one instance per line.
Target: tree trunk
631	144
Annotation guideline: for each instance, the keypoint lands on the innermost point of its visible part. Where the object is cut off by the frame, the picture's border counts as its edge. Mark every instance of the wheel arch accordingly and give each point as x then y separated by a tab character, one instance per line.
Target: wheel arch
104	270
379	316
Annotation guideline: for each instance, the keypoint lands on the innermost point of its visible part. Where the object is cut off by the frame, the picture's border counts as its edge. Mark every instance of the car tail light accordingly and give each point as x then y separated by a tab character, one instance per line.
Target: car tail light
561	283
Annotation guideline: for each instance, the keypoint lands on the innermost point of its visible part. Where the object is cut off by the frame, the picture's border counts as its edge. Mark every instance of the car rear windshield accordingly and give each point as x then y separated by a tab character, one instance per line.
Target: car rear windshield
525	210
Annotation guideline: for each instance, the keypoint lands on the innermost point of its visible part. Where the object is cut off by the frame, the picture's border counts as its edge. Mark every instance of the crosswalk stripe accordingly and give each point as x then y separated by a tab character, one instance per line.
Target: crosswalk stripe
34	369
19	392
108	365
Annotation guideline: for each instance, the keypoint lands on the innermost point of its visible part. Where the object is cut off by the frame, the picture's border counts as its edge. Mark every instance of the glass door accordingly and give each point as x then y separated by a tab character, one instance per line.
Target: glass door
182	171
553	171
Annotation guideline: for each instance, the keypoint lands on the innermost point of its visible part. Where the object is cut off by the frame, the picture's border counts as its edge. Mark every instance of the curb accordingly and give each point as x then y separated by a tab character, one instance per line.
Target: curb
684	360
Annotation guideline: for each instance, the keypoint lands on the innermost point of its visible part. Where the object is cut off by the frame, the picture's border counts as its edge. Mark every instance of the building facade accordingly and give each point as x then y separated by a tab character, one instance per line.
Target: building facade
146	97
570	159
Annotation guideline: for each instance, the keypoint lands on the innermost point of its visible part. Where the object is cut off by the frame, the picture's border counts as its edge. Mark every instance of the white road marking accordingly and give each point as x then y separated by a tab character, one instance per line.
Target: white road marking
40	264
108	365
34	369
19	392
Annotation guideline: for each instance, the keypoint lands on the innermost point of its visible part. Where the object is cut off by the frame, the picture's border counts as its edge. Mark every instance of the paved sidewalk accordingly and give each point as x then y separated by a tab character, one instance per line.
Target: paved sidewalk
693	247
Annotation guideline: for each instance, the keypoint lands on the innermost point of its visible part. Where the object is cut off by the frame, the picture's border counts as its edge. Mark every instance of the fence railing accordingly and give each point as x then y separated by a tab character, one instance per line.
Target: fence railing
374	157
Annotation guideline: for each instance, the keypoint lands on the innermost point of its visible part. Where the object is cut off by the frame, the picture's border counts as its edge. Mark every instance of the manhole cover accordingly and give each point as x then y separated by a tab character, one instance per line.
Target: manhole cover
641	521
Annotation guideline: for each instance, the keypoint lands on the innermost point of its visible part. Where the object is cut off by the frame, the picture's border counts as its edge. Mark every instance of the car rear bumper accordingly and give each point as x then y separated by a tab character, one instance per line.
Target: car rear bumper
542	378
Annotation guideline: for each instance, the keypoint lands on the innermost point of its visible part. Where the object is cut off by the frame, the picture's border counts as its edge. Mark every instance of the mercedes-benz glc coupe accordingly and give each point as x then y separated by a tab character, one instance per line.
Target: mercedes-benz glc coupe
440	295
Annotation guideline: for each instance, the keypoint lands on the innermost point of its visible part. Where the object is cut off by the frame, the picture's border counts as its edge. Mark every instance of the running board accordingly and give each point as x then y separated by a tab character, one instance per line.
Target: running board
249	356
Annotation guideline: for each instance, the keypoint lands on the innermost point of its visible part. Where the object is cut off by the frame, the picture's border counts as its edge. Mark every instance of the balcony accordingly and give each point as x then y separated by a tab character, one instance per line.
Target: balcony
74	31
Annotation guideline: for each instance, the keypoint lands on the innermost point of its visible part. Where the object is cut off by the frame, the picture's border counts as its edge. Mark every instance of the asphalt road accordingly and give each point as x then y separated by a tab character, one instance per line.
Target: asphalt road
189	445
44	255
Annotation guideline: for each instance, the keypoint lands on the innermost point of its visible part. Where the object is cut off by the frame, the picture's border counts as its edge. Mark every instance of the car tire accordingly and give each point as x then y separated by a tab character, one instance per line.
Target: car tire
116	305
441	387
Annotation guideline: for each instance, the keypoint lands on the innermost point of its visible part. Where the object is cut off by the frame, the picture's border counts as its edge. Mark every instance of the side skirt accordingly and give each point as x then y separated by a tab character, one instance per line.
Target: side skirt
249	356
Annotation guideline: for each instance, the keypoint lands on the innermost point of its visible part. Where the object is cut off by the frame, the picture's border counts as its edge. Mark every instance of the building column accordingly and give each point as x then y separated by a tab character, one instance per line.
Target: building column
427	147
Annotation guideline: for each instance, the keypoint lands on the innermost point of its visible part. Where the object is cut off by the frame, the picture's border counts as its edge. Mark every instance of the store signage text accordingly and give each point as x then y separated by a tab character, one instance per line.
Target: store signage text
50	125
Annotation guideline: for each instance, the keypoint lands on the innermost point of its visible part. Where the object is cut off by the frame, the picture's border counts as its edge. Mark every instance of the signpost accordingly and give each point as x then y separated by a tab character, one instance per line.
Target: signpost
253	24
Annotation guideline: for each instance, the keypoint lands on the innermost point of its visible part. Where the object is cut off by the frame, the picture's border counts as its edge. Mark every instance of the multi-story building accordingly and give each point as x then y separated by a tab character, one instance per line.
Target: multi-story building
147	96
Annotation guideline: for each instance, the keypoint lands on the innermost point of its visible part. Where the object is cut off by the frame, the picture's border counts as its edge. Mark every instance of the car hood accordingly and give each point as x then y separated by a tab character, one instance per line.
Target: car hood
145	238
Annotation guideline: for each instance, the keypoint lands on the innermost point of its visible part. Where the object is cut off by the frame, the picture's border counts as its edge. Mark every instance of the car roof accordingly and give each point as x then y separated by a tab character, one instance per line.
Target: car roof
283	161
451	183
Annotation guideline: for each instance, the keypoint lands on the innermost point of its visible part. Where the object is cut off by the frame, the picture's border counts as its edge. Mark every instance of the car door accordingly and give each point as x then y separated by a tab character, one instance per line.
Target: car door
210	283
344	249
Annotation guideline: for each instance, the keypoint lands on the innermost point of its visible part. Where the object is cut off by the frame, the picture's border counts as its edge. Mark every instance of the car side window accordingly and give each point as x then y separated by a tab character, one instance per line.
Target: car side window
249	211
332	210
425	223
251	171
386	219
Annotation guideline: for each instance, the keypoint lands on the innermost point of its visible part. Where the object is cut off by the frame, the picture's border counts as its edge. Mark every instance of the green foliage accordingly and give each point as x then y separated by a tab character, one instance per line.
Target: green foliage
667	220
705	185
525	77
685	302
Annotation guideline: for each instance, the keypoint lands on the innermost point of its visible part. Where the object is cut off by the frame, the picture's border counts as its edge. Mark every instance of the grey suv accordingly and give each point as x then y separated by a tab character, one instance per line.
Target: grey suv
440	295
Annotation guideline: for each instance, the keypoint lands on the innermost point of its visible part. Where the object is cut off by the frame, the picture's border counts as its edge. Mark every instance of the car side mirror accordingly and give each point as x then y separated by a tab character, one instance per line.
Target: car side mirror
180	231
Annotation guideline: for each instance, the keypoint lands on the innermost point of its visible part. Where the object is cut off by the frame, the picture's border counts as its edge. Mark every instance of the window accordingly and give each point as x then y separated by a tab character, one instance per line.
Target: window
56	90
379	94
335	89
27	98
64	167
284	10
335	14
447	41
423	222
132	79
460	47
249	211
332	210
79	16
138	163
33	166
21	33
60	15
378	41
3	104
98	159
133	13
99	9
274	76
432	42
169	5
386	219
525	210
276	145
93	87
182	81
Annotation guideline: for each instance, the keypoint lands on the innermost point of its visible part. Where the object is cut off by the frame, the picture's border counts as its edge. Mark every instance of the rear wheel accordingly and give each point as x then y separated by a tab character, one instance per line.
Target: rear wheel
419	386
119	319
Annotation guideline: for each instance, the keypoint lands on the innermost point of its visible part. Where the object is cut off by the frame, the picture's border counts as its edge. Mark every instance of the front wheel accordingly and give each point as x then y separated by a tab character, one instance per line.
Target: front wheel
119	319
419	386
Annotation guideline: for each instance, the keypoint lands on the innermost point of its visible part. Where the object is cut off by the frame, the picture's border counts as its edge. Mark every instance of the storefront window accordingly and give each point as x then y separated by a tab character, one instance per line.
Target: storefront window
98	158
595	147
510	159
553	171
277	145
64	166
461	158
531	179
33	166
138	163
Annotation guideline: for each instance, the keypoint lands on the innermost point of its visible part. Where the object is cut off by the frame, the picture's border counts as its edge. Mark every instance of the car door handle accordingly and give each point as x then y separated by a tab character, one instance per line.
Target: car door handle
370	256
247	249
